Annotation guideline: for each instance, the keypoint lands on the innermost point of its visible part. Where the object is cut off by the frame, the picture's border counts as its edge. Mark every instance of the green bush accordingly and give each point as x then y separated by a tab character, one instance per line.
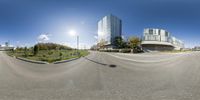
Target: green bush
50	52
111	50
44	55
137	50
125	50
49	55
115	50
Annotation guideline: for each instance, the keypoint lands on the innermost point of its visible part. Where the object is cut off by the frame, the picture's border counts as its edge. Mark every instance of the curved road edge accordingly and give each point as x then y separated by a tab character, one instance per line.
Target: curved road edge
64	61
31	61
141	61
43	62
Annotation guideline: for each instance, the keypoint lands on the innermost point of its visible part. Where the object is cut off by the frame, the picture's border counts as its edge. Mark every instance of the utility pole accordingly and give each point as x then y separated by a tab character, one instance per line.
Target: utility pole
77	43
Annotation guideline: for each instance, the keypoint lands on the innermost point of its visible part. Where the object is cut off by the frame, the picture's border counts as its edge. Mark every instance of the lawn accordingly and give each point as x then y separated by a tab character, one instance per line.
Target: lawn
49	55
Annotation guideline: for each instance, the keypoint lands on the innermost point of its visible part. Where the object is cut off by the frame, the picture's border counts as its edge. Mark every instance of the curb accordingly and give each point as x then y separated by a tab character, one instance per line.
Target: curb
31	61
63	61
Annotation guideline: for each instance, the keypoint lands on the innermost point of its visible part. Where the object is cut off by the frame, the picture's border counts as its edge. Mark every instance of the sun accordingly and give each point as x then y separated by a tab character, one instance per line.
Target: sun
72	32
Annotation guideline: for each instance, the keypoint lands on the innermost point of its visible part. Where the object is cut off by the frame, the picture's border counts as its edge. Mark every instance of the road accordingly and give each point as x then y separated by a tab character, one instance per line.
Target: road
103	76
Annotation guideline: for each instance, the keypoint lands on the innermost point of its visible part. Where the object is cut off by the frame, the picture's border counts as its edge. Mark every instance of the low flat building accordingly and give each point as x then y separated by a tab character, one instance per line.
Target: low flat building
178	44
196	48
5	48
160	40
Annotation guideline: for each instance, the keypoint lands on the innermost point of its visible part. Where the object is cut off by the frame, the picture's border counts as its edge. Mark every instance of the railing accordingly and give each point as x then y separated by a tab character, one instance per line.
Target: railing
163	39
151	38
155	38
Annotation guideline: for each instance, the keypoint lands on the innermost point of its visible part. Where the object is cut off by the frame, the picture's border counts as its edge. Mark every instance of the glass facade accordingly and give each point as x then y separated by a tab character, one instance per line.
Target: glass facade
108	28
160	35
156	35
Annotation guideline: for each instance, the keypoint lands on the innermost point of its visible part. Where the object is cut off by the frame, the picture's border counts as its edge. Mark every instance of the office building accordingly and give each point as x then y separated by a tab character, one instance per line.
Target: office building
109	27
196	48
160	40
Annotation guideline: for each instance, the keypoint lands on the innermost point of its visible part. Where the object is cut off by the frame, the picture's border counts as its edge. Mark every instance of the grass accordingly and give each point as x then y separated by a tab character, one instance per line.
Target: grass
49	55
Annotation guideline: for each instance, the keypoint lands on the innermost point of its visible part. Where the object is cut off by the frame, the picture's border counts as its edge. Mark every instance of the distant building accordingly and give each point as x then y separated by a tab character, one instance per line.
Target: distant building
109	27
6	47
160	40
187	49
6	44
178	44
196	48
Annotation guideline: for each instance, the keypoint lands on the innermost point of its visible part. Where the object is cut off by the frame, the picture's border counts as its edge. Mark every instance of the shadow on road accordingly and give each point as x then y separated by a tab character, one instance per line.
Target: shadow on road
112	66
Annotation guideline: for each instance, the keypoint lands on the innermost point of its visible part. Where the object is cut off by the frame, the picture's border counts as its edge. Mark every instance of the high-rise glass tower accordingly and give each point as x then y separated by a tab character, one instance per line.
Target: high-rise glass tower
108	28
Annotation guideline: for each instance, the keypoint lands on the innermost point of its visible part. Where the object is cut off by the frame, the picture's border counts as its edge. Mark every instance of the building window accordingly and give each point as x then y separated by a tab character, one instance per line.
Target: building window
166	33
151	31
158	32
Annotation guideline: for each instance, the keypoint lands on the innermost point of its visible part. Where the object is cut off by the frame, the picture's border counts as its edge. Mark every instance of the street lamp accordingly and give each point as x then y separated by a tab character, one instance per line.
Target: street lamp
73	33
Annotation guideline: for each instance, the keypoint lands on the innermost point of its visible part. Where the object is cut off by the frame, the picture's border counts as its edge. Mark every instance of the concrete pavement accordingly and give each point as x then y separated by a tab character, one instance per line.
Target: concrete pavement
101	76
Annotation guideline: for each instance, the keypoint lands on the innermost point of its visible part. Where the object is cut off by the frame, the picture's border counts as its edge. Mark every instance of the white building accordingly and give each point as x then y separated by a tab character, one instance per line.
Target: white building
109	27
160	40
6	47
178	44
196	48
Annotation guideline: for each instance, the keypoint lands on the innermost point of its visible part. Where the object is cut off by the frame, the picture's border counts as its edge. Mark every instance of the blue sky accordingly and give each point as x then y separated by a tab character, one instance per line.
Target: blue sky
22	22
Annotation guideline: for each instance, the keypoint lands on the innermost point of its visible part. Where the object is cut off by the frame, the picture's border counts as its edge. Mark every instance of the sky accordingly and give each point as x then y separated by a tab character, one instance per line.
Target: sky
26	22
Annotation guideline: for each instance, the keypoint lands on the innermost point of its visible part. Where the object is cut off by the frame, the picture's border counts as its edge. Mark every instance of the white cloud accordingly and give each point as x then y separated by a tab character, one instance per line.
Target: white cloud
43	37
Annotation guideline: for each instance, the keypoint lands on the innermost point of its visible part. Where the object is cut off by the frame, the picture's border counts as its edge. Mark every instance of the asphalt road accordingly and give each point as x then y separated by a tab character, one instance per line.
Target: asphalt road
103	76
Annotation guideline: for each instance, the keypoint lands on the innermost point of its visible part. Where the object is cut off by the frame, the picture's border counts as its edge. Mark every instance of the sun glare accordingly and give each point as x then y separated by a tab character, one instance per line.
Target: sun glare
72	32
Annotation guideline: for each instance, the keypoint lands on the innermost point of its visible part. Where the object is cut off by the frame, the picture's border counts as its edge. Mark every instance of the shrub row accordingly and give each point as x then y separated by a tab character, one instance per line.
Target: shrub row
111	50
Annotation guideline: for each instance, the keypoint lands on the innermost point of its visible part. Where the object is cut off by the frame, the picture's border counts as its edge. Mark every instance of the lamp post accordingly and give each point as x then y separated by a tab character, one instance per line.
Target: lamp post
73	33
77	44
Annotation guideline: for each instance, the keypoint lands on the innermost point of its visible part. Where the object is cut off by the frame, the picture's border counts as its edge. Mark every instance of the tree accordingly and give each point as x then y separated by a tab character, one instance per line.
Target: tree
25	51
94	47
35	50
134	42
102	43
60	55
119	43
52	46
